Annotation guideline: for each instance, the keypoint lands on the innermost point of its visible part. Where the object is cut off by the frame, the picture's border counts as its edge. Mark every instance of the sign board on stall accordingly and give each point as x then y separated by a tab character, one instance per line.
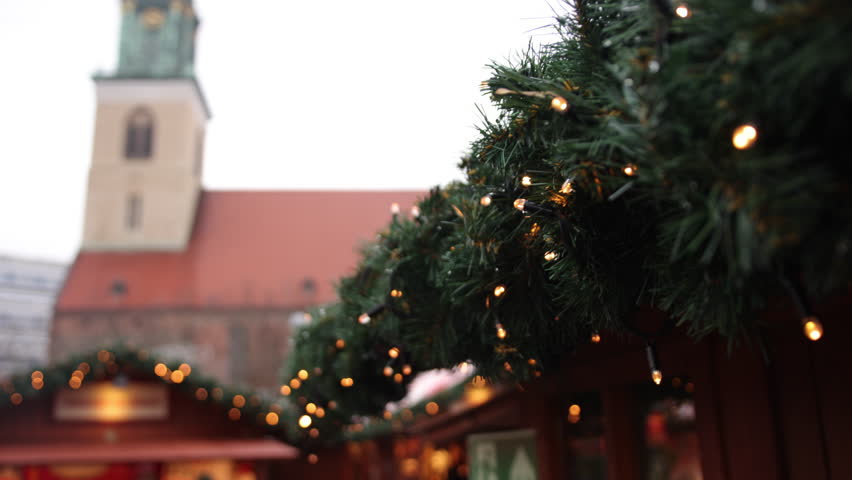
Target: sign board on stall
503	456
106	402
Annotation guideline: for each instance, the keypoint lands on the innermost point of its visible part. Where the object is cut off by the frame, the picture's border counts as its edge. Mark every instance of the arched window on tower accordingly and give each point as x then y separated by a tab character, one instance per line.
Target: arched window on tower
140	134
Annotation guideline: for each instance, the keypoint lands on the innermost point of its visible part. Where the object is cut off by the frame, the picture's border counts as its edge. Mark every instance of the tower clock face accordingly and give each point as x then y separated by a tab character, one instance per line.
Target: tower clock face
153	18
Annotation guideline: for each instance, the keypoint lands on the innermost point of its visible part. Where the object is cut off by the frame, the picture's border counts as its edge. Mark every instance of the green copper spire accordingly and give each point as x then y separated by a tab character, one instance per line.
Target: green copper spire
157	39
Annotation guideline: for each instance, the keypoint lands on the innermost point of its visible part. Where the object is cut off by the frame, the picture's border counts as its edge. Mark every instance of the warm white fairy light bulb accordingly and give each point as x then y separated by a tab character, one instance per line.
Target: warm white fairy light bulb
485	200
559	104
364	319
812	328
520	203
744	137
526	181
682	11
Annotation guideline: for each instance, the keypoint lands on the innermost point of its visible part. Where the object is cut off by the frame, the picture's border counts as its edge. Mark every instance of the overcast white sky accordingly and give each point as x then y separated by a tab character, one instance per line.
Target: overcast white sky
377	94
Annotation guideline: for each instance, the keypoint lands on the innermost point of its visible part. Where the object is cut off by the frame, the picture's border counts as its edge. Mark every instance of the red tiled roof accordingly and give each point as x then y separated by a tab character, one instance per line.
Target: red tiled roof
248	249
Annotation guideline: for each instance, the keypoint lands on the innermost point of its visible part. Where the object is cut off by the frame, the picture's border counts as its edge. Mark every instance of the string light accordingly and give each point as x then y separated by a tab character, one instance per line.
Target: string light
567	187
550	256
744	137
314	433
559	104
415	211
520	203
311	408
272	418
313	458
160	369
596	337
682	11
499	290
432	408
812	328
396	293
320	412
364	319
239	401
340	343
574	409
185	369
16	398
285	390
201	393
397	377
485	200
177	376
406	369
656	373
303	374
388	371
394	208
526	181
305	421
295	384
393	352
234	414
630	169
501	332
346	382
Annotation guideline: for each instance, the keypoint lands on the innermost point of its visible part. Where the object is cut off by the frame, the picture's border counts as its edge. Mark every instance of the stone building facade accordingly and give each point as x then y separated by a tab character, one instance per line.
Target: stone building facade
215	278
28	290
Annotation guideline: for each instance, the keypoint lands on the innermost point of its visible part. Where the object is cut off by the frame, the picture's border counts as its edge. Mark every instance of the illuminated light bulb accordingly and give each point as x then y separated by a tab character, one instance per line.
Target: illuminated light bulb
305	421
272	418
501	332
406	369
532	362
347	382
37	374
320	412
432	408
526	181
682	11
78	374
332	404
295	383
550	256
38	383
314	433
394	208
313	458
285	390
559	104
177	376
234	414
396	293
239	401
160	369
201	393
535	229
387	414
393	352
657	376
364	319
387	371
485	200
311	408
415	211
574	410
567	187
303	374
630	169
16	398
812	328
744	137
340	343
84	367
499	290
185	369
596	337
397	377
75	383
520	203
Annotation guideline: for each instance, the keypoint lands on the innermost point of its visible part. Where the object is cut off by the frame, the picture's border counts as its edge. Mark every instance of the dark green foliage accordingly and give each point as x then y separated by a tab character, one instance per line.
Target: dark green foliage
702	231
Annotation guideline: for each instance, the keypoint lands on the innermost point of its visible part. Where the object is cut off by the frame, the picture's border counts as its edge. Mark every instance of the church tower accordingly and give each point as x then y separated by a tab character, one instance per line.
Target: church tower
145	175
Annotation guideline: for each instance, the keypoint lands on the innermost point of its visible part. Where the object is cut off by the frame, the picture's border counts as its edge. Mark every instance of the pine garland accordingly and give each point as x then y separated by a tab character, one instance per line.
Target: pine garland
689	161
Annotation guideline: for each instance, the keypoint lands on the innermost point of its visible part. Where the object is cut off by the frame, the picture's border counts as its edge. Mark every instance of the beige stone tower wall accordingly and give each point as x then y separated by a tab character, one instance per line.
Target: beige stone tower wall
168	182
